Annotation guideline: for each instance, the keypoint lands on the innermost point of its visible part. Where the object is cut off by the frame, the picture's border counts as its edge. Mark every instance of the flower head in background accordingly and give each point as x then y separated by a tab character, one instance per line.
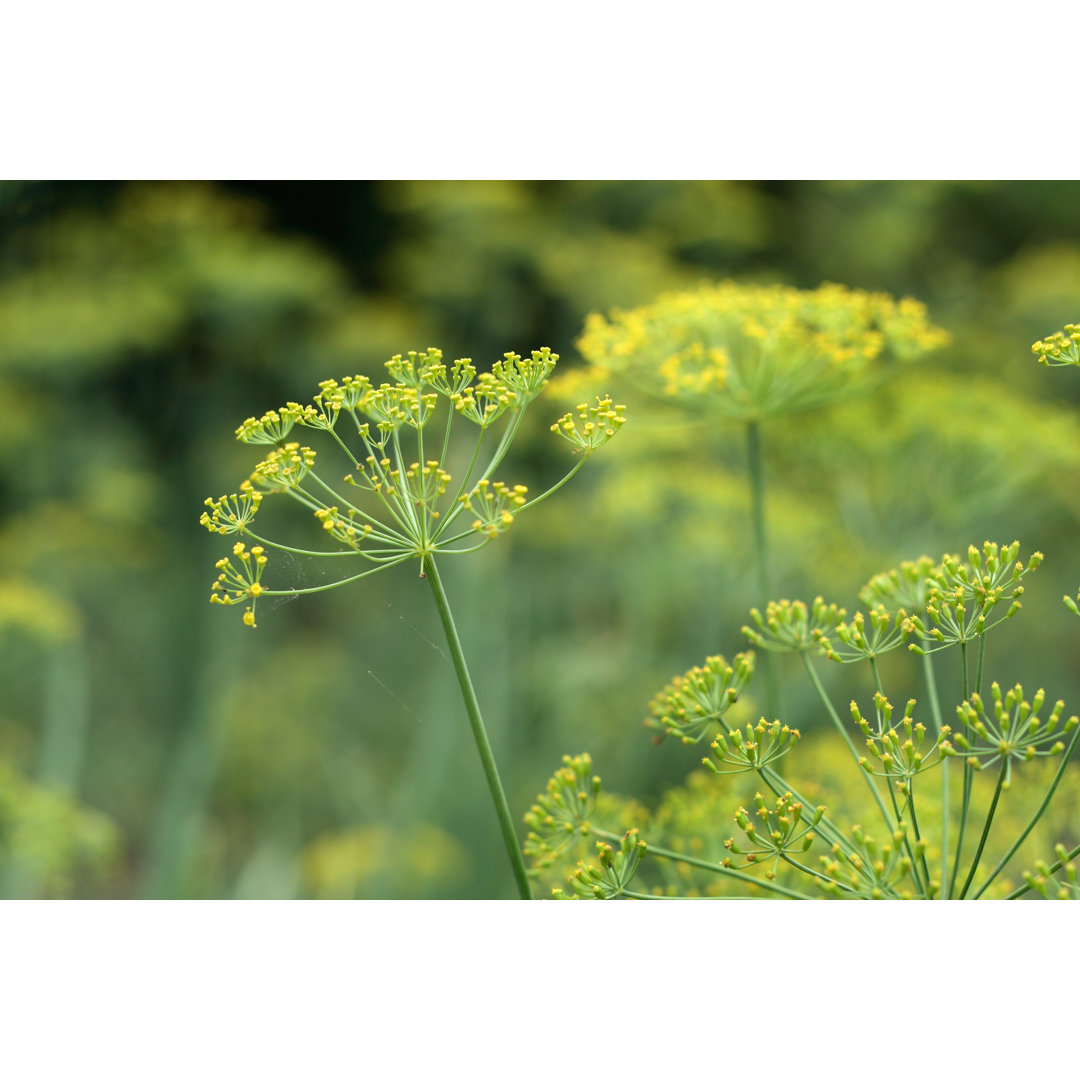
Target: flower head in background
750	352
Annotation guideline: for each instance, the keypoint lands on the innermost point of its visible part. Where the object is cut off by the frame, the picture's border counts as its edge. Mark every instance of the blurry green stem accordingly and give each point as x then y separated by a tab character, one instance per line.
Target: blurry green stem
761	557
472	707
66	708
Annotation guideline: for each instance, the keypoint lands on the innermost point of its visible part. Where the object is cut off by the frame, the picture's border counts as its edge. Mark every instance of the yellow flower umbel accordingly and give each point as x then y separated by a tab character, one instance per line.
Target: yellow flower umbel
406	505
1060	349
750	352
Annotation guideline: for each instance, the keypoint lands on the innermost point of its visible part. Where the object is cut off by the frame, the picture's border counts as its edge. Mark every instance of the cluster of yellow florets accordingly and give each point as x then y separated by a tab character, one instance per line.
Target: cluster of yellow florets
231	513
494	505
1059	349
599	423
238	584
751	351
284	468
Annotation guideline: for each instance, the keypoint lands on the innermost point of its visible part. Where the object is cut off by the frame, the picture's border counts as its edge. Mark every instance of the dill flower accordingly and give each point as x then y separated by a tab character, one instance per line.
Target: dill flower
409	505
749	352
1060	349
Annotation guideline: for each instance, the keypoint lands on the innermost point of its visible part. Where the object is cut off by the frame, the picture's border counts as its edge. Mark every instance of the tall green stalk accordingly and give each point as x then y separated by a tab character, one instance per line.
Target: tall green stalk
476	721
965	803
763	580
935	709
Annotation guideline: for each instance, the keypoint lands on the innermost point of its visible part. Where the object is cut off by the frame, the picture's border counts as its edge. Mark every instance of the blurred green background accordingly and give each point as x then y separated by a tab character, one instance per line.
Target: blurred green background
152	746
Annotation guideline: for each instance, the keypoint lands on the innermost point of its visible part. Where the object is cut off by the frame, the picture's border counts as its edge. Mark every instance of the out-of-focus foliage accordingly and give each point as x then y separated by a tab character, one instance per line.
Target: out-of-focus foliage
49	845
141	323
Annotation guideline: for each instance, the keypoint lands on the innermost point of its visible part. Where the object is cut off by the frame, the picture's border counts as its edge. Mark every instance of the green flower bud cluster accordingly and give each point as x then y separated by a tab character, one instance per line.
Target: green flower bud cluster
749	352
1043	881
868	868
897	749
1071	604
411	509
750	749
887	632
1060	349
1012	730
612	877
907	587
792	627
691	703
563	813
782	832
963	595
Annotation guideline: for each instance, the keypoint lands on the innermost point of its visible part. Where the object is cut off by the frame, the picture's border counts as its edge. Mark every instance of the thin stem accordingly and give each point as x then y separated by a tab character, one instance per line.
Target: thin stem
935	711
716	868
344	581
966	802
551	490
986	827
1034	818
814	873
889	823
472	707
918	836
761	557
923	888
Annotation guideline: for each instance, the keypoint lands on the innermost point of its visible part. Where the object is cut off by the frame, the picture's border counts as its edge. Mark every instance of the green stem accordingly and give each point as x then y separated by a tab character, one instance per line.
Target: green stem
472	707
986	827
966	801
1034	818
935	710
889	823
716	868
918	837
924	887
813	873
761	558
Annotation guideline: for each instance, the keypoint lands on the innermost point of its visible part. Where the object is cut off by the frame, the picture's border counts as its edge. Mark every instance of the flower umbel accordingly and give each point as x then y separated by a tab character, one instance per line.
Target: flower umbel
407	506
562	812
691	703
749	352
